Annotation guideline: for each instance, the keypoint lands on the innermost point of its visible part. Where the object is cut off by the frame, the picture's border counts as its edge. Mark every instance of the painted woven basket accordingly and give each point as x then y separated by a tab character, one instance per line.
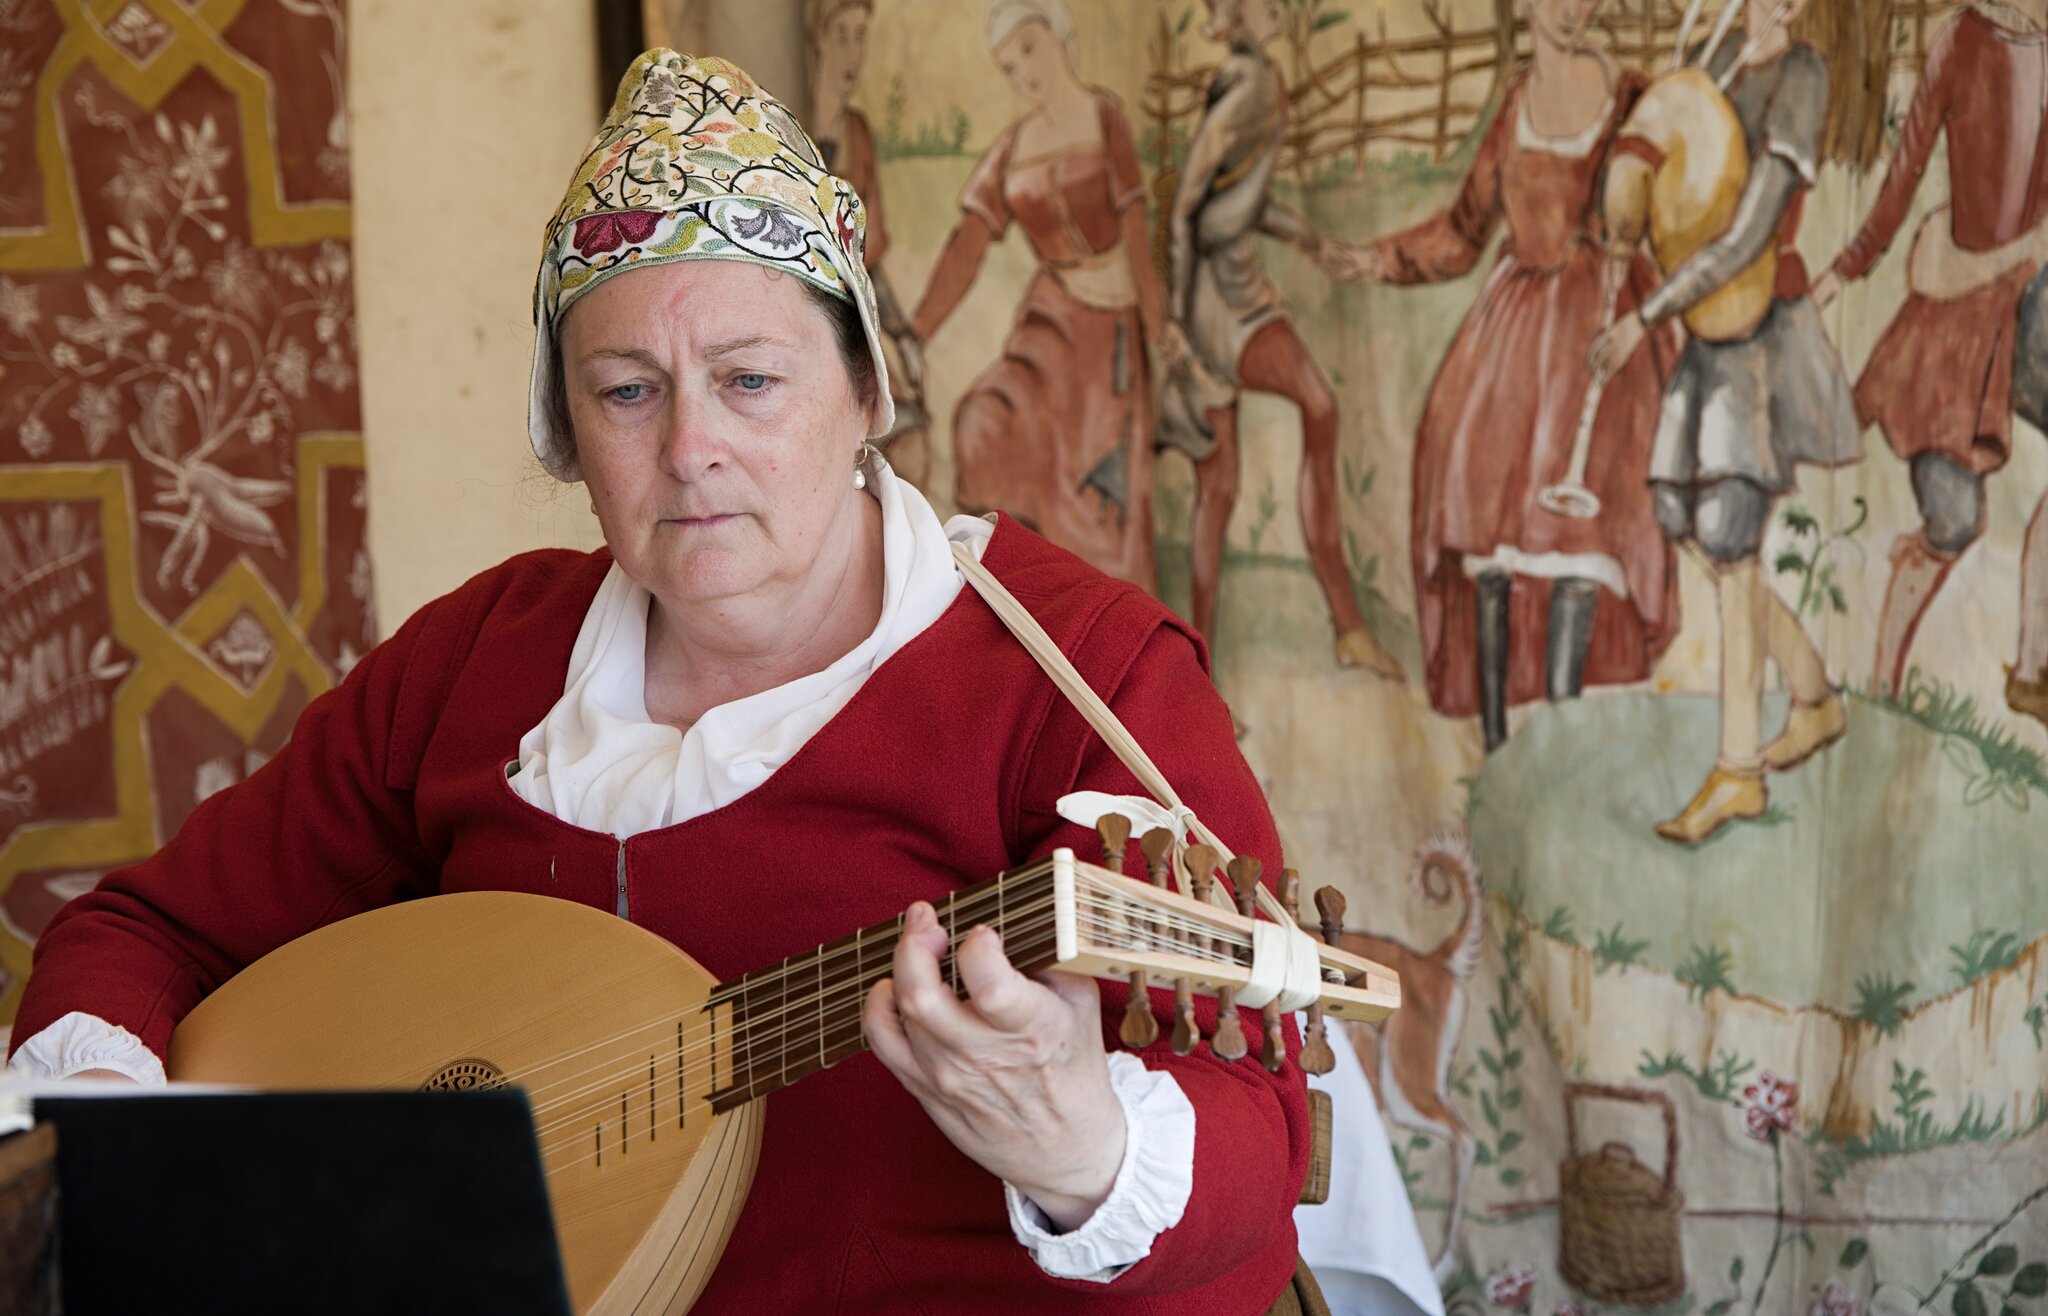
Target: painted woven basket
1619	1219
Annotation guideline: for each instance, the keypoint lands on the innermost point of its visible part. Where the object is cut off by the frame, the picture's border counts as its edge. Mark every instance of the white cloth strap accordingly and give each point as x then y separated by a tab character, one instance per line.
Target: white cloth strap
1120	741
1285	967
1090	807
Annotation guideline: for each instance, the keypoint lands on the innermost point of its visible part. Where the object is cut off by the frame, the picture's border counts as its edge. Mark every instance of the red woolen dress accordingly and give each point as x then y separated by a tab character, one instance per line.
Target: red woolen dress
1501	417
943	770
1940	376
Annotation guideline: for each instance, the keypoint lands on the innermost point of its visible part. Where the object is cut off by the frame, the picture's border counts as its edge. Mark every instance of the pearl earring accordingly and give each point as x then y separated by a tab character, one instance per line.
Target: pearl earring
866	452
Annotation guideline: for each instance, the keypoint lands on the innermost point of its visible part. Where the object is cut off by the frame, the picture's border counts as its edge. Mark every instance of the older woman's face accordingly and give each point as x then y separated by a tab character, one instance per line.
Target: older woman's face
1033	59
715	424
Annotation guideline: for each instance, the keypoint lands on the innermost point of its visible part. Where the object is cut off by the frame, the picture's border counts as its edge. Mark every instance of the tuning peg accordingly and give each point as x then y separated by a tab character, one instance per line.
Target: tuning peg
1316	1055
1186	1036
1115	831
1139	1028
1228	1043
1201	865
1157	847
1244	880
1330	908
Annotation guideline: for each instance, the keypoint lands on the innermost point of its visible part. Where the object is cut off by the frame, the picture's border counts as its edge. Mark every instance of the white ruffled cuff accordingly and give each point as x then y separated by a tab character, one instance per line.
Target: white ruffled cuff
1151	1189
78	1042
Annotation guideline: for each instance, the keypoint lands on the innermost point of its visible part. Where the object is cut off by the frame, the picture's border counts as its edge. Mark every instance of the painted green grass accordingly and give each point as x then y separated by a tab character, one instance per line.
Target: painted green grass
1912	1129
1869	839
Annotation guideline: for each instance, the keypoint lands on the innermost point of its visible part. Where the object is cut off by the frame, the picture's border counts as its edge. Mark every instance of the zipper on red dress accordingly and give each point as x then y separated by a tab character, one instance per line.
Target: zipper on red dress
623	911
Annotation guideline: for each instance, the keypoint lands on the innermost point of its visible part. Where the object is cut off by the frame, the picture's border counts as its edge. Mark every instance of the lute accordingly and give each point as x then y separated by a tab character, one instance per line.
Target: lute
644	1072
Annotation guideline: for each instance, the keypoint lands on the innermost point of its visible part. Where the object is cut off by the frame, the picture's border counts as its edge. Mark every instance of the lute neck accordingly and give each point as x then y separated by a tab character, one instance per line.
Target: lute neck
795	1018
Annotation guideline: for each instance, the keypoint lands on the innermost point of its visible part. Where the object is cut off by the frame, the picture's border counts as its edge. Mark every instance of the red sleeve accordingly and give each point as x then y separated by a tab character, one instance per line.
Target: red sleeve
1447	245
982	196
1924	121
1251	1126
1126	179
323	831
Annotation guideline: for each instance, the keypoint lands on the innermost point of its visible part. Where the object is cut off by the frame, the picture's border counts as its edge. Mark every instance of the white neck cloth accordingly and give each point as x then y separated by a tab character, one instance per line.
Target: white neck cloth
596	761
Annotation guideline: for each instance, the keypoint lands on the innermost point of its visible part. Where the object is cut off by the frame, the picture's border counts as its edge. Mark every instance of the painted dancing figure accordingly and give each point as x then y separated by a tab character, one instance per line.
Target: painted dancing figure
1941	381
1740	415
1516	601
1230	331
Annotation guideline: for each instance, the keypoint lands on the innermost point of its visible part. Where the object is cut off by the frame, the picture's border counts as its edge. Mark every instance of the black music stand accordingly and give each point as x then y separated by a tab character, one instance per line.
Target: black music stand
303	1202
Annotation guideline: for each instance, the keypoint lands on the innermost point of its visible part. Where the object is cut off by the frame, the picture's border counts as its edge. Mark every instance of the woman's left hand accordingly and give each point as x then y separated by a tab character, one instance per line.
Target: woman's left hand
1612	349
1015	1076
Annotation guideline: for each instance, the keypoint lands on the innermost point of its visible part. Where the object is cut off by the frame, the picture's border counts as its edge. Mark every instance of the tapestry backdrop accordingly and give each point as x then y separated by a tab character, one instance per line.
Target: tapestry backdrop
181	472
1291	311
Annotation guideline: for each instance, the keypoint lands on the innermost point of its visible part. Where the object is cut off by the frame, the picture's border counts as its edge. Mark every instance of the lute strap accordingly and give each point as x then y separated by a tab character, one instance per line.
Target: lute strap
1121	742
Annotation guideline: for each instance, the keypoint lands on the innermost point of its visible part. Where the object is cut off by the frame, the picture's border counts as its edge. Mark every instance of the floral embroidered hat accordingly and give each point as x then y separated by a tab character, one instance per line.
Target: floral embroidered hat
694	161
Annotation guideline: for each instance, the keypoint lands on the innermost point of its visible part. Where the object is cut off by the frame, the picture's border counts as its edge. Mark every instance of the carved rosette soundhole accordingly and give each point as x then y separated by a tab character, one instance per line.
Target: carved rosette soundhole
465	1076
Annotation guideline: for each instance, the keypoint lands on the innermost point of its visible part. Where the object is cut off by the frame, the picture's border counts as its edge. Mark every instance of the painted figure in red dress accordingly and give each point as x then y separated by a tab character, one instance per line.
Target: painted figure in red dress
1940	382
1517	601
1230	330
1058	432
838	33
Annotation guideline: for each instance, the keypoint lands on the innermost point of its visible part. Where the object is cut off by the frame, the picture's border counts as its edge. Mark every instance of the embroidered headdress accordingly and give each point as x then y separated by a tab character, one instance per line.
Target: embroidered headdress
694	161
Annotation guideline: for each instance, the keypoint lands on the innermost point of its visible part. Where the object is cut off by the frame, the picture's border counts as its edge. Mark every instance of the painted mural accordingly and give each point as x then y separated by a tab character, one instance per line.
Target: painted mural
1639	609
182	564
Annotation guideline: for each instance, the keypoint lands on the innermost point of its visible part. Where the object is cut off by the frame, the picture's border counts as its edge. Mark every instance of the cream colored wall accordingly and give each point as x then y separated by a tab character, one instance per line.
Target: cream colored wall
468	117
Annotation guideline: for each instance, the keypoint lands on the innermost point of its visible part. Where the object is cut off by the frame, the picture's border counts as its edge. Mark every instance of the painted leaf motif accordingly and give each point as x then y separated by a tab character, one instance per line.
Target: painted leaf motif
1967	1302
2032	1281
1999	1260
1859	1248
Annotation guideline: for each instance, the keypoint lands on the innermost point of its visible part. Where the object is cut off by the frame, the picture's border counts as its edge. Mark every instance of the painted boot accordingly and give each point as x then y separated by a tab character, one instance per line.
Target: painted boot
1572	604
1492	603
1809	729
1729	795
1917	573
1358	648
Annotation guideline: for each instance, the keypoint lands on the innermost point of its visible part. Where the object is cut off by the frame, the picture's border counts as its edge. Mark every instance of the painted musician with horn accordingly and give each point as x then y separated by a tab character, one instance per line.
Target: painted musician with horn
758	809
1713	169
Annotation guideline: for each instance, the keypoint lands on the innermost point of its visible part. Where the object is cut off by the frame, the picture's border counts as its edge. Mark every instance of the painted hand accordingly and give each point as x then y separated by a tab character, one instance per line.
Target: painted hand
1825	289
1350	263
1612	349
912	352
1015	1076
1173	348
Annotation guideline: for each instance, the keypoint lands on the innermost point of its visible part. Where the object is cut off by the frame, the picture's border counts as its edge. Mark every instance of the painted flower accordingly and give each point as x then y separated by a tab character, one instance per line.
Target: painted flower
1512	1288
292	367
98	413
18	309
205	155
109	327
1835	1299
35	437
1767	1106
596	234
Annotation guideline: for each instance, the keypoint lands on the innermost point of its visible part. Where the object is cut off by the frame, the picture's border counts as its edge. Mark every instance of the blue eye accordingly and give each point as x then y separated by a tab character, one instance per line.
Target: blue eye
751	383
627	392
